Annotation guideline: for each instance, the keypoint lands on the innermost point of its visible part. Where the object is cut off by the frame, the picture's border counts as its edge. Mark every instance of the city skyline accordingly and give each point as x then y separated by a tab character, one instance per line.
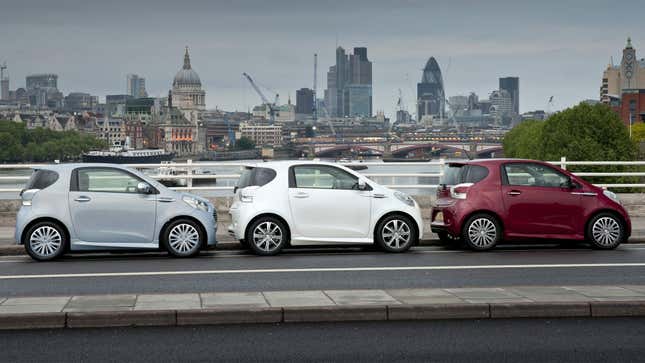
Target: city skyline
469	47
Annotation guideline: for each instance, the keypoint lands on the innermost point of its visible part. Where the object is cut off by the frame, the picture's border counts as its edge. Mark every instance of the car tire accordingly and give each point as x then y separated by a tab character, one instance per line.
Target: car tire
267	236
605	231
46	241
396	233
481	232
183	238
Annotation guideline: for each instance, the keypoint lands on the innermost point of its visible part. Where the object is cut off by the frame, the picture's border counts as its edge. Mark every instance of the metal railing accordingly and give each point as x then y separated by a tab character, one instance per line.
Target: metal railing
190	167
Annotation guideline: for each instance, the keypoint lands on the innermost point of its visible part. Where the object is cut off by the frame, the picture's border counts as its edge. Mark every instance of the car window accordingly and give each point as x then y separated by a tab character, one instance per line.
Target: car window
106	180
323	177
41	179
459	173
533	175
255	177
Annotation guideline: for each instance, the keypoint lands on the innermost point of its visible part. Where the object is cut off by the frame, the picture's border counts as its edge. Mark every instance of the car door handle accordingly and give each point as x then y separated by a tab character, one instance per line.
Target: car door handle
83	199
301	195
514	192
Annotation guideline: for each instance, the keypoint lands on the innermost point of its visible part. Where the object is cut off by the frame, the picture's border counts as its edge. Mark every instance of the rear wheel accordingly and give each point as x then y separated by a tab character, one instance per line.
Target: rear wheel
267	236
482	232
395	233
183	238
46	241
605	231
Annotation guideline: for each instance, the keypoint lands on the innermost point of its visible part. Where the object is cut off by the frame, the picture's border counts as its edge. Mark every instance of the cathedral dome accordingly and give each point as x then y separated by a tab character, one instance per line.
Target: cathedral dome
187	77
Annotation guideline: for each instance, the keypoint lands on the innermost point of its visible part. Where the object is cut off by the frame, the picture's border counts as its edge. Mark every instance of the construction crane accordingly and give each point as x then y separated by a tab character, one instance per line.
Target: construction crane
315	107
272	106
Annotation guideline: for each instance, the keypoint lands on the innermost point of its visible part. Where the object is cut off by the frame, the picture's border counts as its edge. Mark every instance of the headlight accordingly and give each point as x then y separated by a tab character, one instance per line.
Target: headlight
611	195
196	203
404	198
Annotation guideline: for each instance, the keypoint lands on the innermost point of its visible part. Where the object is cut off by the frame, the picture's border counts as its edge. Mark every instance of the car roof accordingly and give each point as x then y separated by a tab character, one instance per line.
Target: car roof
494	162
68	167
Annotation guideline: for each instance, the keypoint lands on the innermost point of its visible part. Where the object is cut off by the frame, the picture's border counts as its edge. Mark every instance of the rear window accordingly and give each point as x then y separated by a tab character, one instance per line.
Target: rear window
255	177
41	179
459	173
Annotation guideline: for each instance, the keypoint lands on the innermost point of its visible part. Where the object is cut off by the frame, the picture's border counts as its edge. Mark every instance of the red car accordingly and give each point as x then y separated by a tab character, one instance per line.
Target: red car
483	202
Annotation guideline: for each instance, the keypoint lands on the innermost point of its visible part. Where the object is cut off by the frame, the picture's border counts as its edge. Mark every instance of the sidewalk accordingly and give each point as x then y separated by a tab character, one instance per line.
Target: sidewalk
321	306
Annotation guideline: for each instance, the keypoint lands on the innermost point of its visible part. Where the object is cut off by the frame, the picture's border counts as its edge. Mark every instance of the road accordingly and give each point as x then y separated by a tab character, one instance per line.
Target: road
554	340
321	269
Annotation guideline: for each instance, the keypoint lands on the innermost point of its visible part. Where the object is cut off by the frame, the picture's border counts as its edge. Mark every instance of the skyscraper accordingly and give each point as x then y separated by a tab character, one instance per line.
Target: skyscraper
349	84
430	92
512	86
305	101
136	86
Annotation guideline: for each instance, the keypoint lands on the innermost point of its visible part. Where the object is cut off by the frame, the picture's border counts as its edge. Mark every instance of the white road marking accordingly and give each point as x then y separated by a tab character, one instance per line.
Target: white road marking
323	269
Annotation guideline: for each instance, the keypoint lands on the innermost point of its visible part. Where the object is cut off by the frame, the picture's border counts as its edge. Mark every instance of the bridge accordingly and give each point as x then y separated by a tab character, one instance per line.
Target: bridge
408	149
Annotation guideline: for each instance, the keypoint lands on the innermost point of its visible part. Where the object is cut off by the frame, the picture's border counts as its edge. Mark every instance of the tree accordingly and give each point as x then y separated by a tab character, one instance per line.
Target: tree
21	144
638	132
582	132
309	131
524	140
245	143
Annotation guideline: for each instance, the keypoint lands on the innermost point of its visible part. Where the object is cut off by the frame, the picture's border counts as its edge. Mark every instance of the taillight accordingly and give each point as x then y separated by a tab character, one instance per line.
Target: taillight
460	191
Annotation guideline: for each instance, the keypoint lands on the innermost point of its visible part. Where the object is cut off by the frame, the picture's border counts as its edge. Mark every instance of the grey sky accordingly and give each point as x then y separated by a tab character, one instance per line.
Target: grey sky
557	48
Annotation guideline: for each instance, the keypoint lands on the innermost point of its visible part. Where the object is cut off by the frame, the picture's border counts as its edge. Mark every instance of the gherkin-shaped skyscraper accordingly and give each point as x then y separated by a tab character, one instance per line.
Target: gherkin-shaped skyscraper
430	92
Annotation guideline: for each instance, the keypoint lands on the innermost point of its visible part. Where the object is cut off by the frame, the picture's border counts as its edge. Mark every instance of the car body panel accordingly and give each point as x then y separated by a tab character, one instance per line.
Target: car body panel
526	212
332	206
122	220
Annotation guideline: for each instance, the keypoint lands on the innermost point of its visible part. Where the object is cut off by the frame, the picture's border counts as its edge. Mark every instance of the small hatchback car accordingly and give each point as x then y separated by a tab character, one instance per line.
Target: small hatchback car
485	201
313	203
83	207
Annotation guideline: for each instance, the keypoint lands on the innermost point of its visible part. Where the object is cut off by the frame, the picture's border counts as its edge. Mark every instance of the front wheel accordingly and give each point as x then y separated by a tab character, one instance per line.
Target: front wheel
46	241
482	232
396	233
605	231
183	238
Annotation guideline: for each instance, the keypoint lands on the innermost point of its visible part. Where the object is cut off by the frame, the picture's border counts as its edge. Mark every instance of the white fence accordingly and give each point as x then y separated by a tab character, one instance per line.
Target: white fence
189	167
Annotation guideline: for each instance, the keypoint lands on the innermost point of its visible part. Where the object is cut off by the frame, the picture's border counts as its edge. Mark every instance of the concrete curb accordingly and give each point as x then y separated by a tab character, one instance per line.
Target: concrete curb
254	315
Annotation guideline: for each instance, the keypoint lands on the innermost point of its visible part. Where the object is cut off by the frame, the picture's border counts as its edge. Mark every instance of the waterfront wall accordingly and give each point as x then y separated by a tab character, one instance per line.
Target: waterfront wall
634	202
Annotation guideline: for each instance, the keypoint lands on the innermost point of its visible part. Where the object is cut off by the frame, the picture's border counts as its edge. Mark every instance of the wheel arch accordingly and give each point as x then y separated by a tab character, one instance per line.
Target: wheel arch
601	211
272	215
396	212
27	227
162	231
483	211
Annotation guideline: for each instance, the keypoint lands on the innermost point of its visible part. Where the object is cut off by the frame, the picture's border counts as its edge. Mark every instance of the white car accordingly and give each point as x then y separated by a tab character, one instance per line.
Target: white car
297	203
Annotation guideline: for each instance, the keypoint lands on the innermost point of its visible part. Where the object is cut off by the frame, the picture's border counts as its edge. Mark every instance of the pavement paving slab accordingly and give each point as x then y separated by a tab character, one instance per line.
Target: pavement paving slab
297	298
361	297
483	293
548	294
101	302
605	291
424	296
233	299
167	301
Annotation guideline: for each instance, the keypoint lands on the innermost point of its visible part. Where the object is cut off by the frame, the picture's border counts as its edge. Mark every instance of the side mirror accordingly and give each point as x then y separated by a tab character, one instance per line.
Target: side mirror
144	188
569	184
361	184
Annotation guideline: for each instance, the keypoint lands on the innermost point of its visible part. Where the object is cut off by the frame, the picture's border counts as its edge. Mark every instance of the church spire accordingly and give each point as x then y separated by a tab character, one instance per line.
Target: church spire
186	59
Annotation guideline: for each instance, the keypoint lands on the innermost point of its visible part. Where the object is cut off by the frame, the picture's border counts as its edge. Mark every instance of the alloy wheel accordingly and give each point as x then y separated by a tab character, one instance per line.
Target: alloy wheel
482	232
396	233
267	236
183	238
45	241
606	231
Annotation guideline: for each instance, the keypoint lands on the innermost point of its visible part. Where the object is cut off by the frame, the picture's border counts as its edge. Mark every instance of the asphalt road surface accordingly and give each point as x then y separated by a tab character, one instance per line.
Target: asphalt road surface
554	340
422	267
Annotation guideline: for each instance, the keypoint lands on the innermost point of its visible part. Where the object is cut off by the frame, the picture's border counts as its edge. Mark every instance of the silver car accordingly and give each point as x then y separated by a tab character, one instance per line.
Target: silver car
83	207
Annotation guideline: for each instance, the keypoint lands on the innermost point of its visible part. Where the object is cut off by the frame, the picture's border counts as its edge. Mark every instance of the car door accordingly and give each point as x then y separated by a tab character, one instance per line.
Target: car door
538	201
107	209
326	204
